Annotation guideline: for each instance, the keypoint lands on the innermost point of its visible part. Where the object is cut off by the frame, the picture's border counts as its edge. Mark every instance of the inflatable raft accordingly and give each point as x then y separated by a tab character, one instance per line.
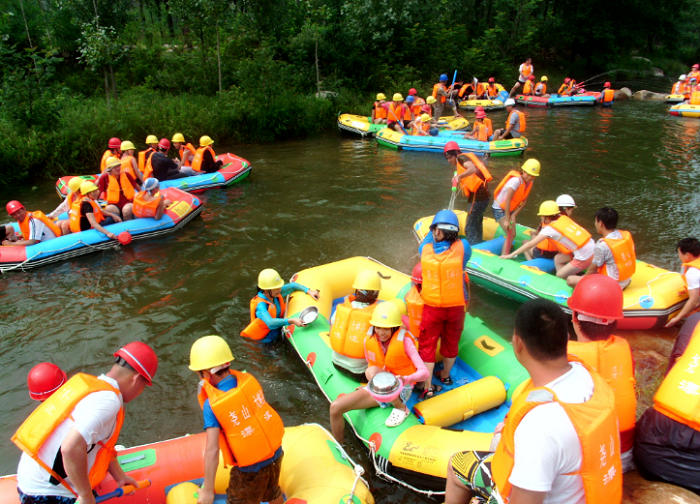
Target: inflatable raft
315	470
360	125
675	98
495	104
234	170
652	298
184	208
586	99
499	148
461	417
685	110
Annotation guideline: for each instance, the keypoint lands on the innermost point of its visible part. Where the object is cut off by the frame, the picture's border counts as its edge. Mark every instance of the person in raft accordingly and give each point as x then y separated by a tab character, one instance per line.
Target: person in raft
515	124
233	404
480	131
119	189
575	245
34	226
541	87
145	155
379	110
547	249
414	303
565	87
492	89
441	94
86	213
44	379
71	197
388	347
560	441
149	202
614	254
129	163
267	307
596	306
160	166
395	113
529	86
421	125
350	324
689	253
443	257
113	150
186	151
526	69
78	433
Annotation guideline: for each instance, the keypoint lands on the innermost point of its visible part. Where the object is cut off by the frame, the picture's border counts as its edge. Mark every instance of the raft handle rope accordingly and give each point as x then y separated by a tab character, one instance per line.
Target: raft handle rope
649	286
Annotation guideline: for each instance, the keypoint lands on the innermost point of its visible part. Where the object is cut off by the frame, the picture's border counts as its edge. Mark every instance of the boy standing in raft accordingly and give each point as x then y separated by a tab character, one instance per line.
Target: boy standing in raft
689	254
149	202
267	307
560	440
233	404
526	69
443	257
515	124
379	110
596	306
387	347
68	441
443	94
34	226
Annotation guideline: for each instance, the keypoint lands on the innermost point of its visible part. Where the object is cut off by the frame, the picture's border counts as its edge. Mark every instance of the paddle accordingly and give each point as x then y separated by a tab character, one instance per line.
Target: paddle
126	489
451	88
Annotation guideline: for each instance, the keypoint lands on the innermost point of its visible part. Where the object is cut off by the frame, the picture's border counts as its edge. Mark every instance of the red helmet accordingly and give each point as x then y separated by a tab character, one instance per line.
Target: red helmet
532	77
417	274
115	143
426	109
696	65
480	114
164	144
597	296
451	146
13	206
479	109
491	79
44	379
141	357
567	80
607	84
412	92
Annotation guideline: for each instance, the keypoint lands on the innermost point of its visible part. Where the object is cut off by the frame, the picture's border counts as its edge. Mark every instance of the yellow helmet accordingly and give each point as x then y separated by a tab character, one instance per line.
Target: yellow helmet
205	140
430	100
367	280
425	118
177	137
386	315
532	167
75	183
400	304
87	187
127	145
209	352
380	96
544	78
151	139
548	208
112	162
397	97
269	279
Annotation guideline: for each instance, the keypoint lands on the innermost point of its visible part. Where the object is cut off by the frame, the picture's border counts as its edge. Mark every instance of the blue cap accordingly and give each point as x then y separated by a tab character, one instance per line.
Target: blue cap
150	184
443	77
410	99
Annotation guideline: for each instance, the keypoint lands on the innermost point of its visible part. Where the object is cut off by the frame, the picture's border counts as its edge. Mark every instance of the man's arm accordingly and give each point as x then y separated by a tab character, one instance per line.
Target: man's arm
75	462
211	462
521	496
690	305
526	246
120	477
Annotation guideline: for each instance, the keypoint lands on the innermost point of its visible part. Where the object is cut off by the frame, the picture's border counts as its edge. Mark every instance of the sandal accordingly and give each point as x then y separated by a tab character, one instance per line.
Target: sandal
397	417
430	392
446	381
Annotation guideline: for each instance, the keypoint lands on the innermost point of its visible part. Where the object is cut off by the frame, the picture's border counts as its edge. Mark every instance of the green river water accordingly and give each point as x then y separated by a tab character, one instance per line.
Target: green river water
310	202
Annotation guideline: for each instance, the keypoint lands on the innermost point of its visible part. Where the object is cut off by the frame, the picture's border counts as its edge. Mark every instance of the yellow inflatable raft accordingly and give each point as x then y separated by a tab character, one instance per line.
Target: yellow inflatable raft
360	125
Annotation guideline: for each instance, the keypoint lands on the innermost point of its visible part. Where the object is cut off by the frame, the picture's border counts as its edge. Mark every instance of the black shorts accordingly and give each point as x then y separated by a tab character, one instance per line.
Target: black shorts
544	254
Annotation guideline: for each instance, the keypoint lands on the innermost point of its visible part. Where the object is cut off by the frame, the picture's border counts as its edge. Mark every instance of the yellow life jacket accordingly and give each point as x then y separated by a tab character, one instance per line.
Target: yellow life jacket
570	230
350	328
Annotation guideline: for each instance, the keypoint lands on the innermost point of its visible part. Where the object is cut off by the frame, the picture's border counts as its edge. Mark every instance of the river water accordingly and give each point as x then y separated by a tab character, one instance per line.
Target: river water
310	202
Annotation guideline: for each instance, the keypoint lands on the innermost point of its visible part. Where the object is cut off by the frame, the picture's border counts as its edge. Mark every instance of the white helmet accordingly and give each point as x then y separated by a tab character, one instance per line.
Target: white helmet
510	102
565	201
683	77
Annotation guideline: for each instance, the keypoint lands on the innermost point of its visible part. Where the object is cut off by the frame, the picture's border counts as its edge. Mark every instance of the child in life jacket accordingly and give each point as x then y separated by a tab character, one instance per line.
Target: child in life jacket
379	110
689	253
387	348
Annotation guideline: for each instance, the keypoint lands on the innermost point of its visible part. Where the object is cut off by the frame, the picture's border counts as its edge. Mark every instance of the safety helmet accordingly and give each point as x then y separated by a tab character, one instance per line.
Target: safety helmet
179	138
386	315
74	184
446	220
150	184
164	144
567	80
410	99
597	296
412	92
151	139
205	140
367	280
381	96
417	274
87	187
607	84
566	201
531	77
492	80
532	167
400	304
425	118
480	114
114	143
127	145
696	65
269	279
443	77
479	109
141	357
209	352
451	146
13	206
548	208
510	102
430	100
111	162
397	97
44	379
426	109
544	78
683	77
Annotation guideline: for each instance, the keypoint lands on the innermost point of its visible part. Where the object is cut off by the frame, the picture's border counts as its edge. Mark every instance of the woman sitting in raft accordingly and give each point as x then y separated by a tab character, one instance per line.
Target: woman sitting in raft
86	213
388	348
265	325
149	202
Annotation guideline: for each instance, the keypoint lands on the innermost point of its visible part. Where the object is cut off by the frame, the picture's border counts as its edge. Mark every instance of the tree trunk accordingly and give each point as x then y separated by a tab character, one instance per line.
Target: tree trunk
169	18
26	26
104	69
143	16
218	54
318	74
114	83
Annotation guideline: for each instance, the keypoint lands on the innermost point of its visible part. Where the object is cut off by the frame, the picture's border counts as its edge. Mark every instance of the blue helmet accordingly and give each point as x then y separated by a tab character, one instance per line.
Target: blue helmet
443	77
410	99
446	220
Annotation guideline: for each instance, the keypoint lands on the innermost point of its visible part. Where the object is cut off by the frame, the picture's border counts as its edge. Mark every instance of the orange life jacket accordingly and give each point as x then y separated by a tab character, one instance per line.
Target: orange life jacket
519	196
189	147
143	208
144	156
416	109
543	89
569	229
608	95
527	70
414	306
523	121
24	225
74	214
489	125
624	255
572	87
471	184
612	359
395	360
128	167
480	131
527	87
596	425
199	157
443	276
695	263
108	153
379	111
44	420
546	245
563	89
492	90
257	329
695	98
465	90
678	396
397	112
115	187
480	90
419	125
439	98
695	74
678	88
350	328
251	431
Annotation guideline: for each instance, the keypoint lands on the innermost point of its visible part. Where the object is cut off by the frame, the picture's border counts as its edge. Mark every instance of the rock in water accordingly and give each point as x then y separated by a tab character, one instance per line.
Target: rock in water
623	94
637	490
648	96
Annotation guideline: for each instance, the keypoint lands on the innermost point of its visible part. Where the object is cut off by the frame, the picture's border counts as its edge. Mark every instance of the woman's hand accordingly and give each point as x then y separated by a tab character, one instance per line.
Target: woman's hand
297	322
314	294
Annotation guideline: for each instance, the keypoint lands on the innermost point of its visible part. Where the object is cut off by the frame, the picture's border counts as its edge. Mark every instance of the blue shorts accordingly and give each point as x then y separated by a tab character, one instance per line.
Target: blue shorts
498	213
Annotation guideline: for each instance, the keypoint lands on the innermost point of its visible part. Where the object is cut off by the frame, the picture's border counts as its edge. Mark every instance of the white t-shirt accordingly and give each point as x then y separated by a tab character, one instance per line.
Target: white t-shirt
513	184
692	276
514	119
95	418
521	77
547	446
39	231
582	254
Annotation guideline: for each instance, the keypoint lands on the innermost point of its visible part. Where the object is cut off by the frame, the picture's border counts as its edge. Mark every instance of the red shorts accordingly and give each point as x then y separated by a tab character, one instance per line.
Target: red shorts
581	265
445	324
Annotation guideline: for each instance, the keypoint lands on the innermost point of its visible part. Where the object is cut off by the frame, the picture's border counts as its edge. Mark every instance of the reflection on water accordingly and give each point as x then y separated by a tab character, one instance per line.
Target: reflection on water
310	202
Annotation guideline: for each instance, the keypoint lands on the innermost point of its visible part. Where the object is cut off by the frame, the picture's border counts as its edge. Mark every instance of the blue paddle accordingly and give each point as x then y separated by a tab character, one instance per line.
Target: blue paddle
126	489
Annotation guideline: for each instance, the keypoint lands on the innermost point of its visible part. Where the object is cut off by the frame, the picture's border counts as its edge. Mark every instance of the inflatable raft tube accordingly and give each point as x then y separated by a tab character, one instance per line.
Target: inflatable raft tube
532	101
580	100
315	470
234	170
654	296
360	125
184	208
675	98
500	148
494	104
685	110
413	454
